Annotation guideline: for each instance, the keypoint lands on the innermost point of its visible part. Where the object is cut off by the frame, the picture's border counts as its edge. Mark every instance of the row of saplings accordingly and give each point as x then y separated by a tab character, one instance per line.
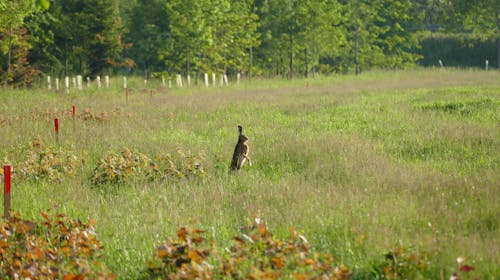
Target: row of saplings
37	161
58	247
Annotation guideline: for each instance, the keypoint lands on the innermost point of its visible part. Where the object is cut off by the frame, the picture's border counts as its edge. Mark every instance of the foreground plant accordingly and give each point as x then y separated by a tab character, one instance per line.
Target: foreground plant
254	254
39	161
120	167
56	247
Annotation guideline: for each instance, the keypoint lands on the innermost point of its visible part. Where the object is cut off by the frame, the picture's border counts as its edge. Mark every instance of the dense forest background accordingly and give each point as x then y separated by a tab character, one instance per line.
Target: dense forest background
265	38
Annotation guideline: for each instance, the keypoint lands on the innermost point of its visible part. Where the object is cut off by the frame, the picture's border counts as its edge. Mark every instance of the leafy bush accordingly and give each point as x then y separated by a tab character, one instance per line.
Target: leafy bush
254	254
404	263
116	168
56	247
39	162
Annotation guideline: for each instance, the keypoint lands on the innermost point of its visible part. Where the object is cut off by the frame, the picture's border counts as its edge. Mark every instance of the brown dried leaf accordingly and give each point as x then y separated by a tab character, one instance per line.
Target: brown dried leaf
73	277
182	234
277	263
44	215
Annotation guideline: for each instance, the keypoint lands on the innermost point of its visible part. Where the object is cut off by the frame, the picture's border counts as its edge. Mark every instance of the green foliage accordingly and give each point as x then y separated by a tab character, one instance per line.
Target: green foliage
297	33
14	46
378	32
457	50
482	18
147	33
44	51
267	38
13	12
16	69
88	36
210	35
55	247
404	263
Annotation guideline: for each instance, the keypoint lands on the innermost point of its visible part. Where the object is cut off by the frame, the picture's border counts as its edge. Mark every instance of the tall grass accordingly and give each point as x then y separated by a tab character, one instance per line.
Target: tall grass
356	164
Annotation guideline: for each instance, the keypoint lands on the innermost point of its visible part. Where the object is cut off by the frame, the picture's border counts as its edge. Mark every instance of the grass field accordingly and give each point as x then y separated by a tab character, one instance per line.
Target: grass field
358	165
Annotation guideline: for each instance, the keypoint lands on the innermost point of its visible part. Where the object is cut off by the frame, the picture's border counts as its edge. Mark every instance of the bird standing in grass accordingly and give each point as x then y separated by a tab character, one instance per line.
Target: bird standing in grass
240	155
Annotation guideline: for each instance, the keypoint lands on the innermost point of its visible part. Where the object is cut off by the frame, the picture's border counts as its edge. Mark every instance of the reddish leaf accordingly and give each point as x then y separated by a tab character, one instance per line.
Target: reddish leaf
195	256
73	277
262	229
44	215
182	234
308	261
299	276
39	253
277	263
466	268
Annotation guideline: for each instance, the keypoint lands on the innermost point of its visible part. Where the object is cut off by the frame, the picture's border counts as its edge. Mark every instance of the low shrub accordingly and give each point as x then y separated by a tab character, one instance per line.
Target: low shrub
119	167
38	162
56	247
254	254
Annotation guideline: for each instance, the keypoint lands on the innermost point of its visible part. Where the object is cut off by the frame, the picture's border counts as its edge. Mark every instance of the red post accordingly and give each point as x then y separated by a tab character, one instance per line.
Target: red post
73	115
56	128
6	191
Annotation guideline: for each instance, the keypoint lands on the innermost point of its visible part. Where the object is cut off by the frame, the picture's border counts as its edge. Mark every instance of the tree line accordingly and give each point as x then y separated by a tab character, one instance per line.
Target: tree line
265	38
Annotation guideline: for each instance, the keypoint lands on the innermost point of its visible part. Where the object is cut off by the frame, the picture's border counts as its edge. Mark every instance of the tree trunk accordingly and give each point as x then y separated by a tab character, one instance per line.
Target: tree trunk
66	63
306	59
65	59
291	58
188	68
250	63
273	66
497	14
9	57
356	42
314	63
80	65
498	49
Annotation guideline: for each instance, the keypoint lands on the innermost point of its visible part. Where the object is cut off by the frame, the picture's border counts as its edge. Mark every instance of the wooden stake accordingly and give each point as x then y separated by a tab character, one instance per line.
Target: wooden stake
73	115
66	83
56	128
6	191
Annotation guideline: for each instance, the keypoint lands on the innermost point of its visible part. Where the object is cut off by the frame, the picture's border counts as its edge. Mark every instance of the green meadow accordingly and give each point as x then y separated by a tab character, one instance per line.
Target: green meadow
359	165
